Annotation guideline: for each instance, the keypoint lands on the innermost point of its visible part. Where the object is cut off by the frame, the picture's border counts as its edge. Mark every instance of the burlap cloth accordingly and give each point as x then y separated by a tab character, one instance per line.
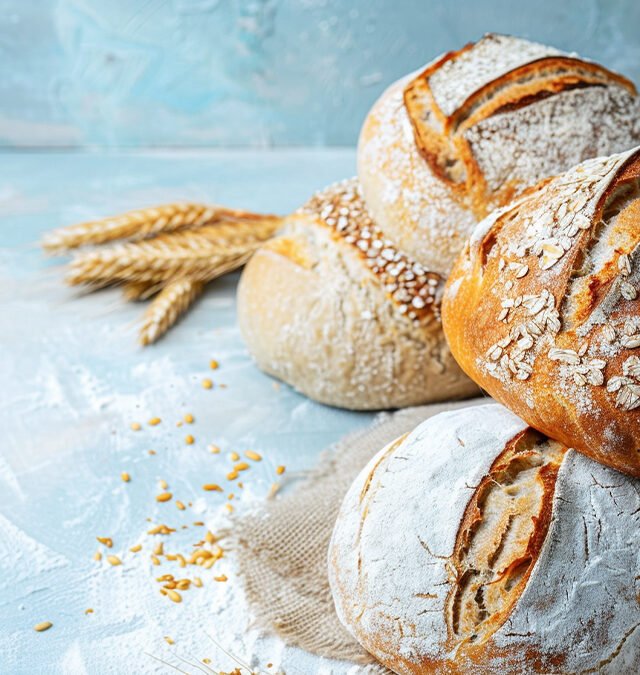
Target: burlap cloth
281	548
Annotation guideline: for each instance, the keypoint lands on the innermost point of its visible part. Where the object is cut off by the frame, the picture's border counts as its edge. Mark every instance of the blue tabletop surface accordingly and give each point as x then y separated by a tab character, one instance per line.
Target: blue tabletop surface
73	379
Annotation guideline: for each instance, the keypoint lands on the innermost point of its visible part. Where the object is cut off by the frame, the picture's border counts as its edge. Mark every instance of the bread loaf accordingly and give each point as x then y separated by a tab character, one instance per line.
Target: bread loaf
334	309
442	148
543	308
476	545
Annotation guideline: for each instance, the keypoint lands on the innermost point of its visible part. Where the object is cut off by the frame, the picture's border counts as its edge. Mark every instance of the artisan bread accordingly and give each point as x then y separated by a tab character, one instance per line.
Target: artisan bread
443	147
335	310
543	308
477	545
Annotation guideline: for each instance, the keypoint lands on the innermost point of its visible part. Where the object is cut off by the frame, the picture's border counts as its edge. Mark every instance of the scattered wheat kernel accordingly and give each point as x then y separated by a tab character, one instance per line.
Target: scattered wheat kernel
207	383
232	475
183	584
136	426
179	423
198	523
164	497
240	484
230	496
208	564
171	556
114	560
170	585
180	505
197	581
89	610
250	454
181	559
234	456
154	421
222	577
44	625
229	507
213	364
125	476
155	560
280	470
189	440
212	487
188	418
169	640
174	595
107	541
163	484
151	452
136	548
209	537
158	548
269	665
206	661
274	489
97	555
241	466
213	449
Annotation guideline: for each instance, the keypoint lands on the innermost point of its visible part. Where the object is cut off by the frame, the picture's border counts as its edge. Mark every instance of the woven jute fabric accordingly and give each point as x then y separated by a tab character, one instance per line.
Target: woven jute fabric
281	548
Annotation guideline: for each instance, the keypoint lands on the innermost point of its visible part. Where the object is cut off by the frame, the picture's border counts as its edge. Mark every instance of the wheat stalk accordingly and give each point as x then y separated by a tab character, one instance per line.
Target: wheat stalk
172	301
141	224
199	254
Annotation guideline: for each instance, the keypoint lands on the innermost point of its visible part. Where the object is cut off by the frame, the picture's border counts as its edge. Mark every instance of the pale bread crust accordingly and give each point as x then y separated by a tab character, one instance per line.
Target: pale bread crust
391	558
523	131
543	309
314	315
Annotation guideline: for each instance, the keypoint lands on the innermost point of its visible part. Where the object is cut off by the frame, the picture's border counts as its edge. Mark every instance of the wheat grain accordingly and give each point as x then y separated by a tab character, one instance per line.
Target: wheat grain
140	224
201	254
133	291
165	309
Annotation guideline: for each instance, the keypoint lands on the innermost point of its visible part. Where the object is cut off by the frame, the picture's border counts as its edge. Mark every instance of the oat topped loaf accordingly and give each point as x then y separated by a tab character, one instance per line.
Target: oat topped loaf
443	147
336	310
543	308
475	545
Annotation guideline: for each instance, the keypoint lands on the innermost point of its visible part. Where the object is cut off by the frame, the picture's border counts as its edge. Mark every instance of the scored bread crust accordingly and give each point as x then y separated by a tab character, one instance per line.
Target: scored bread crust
543	308
333	309
403	529
442	148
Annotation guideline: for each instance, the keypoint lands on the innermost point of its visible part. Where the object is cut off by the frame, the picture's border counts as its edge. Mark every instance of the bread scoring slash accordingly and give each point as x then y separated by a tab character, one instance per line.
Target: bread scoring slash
475	544
445	146
543	308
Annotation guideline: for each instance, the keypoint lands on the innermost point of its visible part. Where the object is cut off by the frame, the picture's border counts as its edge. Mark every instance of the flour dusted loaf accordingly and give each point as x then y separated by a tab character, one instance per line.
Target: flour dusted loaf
543	308
332	308
442	148
476	545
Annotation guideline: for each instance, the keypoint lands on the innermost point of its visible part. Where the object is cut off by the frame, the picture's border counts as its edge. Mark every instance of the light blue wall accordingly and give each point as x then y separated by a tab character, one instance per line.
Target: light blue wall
252	72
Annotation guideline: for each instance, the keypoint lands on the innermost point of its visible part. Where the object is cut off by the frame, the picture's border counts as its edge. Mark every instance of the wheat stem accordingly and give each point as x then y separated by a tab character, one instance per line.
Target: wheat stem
198	254
141	224
172	301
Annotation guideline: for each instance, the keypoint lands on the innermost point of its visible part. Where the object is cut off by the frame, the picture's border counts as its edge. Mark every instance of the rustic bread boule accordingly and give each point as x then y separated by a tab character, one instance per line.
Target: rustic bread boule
335	310
476	545
442	148
543	311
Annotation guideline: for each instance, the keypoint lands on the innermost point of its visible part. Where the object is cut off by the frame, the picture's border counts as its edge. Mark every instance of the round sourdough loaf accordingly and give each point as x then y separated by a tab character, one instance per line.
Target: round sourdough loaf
442	148
476	545
543	308
333	309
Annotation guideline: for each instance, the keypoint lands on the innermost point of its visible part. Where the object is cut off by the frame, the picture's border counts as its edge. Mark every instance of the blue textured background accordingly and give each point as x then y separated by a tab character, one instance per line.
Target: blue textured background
251	72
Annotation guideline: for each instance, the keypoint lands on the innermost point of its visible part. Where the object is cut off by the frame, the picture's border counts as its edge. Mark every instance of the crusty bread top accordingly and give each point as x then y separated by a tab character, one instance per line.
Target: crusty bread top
340	208
499	74
543	308
474	545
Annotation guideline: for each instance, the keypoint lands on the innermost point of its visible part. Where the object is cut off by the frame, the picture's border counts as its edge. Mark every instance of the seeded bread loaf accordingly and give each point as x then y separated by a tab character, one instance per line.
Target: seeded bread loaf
442	148
333	309
476	545
542	308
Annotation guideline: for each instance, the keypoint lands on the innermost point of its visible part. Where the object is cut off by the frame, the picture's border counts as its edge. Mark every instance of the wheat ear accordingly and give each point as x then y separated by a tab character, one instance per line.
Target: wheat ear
201	254
172	301
140	224
140	290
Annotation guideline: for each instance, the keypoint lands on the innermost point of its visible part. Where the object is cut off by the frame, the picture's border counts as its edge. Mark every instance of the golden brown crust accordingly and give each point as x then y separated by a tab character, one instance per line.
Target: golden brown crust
542	309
